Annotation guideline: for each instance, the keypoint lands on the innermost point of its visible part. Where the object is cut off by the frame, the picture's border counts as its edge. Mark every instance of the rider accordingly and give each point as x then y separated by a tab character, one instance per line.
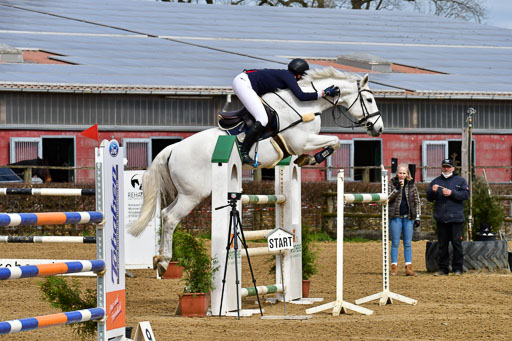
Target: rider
251	84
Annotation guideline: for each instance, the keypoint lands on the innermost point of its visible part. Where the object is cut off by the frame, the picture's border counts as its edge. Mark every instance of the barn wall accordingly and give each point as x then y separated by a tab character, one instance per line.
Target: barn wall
491	150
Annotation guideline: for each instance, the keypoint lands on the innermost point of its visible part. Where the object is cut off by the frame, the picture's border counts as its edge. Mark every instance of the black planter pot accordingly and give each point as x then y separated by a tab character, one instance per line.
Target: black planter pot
491	255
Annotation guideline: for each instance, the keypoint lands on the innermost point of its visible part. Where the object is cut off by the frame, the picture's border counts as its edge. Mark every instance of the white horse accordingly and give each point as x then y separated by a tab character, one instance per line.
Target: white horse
182	171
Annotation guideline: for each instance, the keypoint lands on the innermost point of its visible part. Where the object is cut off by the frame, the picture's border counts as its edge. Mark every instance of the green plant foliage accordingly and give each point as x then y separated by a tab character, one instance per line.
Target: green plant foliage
65	297
309	266
197	266
177	244
486	208
321	237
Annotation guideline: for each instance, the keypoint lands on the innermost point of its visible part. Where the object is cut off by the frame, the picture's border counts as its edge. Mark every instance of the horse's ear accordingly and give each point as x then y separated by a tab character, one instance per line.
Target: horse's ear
364	81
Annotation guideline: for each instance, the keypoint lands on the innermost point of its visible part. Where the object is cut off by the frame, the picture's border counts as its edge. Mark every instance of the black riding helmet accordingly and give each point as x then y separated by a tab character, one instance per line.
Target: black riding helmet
298	66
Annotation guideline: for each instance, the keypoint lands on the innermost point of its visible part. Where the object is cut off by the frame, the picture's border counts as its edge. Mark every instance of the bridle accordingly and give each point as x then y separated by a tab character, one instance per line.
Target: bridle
363	122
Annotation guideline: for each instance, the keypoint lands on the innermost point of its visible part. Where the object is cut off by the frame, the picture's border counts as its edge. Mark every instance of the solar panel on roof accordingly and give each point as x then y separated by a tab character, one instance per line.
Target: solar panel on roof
122	43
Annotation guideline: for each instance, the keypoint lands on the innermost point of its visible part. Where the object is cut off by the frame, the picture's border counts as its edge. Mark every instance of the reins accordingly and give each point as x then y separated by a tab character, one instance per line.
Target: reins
293	124
363	122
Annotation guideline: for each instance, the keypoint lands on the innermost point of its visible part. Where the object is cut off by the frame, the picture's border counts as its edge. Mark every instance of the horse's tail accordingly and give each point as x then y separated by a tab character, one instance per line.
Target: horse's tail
156	182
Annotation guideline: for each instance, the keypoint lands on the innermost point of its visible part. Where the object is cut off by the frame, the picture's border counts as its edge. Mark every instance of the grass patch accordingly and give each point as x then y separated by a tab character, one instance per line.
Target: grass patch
359	240
321	237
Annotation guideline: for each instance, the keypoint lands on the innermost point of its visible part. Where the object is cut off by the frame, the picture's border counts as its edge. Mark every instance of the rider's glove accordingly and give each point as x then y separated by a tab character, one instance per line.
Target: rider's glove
332	91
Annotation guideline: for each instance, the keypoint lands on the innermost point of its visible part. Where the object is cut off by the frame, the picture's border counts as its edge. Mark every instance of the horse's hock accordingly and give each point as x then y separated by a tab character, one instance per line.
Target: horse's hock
490	255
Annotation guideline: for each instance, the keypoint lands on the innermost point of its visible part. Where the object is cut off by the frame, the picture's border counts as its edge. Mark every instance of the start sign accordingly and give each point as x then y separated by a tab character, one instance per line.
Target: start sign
279	239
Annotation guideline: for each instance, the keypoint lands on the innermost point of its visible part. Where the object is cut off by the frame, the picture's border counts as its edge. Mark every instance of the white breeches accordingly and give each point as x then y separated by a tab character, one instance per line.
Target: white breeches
249	98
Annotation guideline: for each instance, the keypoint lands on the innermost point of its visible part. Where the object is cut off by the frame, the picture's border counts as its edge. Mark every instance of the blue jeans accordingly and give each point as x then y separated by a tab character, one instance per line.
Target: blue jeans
397	226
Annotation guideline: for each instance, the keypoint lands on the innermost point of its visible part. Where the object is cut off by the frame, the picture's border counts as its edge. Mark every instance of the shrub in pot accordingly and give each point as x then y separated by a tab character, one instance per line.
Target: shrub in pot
309	266
197	275
175	270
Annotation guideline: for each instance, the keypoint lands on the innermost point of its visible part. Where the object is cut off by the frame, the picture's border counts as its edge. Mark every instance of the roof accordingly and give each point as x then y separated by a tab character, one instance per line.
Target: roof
136	46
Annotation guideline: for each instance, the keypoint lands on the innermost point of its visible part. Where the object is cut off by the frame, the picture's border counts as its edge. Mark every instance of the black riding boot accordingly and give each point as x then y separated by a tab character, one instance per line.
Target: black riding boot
251	136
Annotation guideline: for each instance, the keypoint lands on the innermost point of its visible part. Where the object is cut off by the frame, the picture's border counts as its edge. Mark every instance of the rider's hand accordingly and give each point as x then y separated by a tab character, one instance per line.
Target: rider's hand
332	91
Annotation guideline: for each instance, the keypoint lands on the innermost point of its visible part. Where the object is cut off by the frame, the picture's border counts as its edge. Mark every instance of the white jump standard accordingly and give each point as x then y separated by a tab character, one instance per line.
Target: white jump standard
341	306
385	296
227	178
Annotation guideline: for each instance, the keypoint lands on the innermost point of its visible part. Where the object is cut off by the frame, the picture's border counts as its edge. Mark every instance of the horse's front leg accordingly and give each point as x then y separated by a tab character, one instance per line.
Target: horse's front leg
314	142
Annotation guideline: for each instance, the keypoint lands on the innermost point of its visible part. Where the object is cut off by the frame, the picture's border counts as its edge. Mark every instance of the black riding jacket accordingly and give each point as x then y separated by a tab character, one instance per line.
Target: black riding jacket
268	80
449	209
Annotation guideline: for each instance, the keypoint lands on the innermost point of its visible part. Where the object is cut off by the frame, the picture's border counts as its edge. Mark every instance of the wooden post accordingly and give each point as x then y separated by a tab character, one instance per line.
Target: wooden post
329	201
27	175
470	113
366	175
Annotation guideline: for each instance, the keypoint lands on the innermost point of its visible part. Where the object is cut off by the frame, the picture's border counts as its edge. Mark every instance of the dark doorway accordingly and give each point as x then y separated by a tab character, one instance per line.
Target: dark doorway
367	153
455	152
60	151
158	144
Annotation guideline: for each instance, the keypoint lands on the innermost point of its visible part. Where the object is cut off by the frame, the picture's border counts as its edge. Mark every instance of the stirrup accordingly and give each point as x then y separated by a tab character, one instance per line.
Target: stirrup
246	159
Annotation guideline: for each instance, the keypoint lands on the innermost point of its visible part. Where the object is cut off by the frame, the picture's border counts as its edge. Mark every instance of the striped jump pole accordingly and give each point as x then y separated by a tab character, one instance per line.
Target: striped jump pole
110	251
263	199
50	218
15	326
51	269
262	290
66	192
47	239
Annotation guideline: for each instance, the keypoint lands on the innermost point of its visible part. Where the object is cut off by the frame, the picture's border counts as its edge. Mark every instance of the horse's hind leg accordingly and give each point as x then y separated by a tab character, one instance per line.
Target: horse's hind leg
171	217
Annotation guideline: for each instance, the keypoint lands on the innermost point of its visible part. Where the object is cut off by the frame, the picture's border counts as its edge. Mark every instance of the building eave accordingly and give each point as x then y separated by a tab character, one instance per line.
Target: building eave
173	90
113	89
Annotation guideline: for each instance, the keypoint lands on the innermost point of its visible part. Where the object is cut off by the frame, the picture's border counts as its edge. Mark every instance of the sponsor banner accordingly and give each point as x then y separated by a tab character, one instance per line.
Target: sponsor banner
139	250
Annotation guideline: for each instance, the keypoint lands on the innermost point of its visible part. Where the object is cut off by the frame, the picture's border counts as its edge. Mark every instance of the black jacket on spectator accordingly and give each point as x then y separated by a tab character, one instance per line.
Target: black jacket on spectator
449	209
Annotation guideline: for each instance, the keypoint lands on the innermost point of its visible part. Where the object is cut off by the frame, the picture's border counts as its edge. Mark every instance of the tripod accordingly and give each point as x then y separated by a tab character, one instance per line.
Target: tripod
236	233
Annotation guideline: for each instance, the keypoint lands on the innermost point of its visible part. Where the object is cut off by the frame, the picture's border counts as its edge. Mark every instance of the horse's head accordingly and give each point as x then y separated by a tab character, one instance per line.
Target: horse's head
355	96
43	173
361	105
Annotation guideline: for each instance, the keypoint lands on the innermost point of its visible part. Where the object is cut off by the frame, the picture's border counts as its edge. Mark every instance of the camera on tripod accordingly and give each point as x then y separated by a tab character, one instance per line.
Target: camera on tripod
234	196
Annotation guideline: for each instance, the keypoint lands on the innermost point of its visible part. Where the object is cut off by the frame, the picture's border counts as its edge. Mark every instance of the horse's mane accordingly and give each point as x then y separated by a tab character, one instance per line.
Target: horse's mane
328	72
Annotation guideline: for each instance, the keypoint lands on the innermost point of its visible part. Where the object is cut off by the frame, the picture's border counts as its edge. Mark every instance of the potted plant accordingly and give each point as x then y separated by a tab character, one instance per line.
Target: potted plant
175	270
197	275
309	266
487	210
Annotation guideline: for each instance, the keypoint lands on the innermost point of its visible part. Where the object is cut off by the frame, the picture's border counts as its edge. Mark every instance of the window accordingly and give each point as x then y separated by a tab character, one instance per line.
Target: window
433	153
140	152
25	148
137	153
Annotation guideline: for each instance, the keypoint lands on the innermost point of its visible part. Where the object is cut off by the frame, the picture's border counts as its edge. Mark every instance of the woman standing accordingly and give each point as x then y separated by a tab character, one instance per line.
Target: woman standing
404	213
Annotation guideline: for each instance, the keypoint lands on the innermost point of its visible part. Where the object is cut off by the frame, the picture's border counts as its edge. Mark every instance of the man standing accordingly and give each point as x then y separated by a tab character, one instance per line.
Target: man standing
448	191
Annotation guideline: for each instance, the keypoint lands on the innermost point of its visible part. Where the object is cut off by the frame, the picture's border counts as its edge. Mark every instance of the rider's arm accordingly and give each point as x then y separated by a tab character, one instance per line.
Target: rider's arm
297	91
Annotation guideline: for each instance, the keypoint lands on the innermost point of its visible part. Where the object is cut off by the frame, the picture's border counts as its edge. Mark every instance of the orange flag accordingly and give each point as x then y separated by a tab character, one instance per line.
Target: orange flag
92	133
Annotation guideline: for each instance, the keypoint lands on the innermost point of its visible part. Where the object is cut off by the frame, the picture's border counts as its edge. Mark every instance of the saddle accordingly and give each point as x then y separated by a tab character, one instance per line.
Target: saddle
239	121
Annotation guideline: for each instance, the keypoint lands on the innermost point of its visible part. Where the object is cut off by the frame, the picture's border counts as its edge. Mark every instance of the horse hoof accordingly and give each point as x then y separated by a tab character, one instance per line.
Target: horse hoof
304	160
162	268
156	260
